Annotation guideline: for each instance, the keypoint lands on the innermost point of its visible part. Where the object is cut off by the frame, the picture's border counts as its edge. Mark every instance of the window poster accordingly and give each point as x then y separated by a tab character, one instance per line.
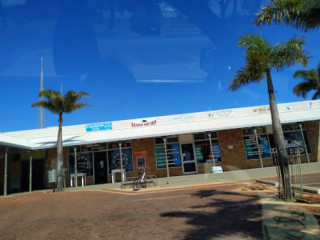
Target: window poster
173	156
203	151
294	140
114	159
251	147
84	163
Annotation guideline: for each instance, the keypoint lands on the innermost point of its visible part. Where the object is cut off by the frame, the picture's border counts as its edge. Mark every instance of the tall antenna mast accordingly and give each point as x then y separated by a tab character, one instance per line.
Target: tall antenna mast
41	119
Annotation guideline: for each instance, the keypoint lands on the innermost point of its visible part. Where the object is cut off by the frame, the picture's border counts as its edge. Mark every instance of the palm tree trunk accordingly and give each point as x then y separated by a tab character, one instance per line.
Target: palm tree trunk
279	140
60	156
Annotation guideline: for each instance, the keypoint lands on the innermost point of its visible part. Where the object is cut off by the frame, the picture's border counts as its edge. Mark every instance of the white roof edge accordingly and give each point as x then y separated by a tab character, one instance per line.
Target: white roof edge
10	141
166	125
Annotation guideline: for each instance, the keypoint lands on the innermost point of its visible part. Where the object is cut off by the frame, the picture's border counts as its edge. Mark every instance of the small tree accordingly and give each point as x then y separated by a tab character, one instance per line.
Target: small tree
55	102
311	81
304	14
261	58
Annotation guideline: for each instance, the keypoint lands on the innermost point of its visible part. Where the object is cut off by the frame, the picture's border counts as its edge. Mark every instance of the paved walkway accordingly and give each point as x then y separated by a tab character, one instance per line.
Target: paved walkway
212	211
312	180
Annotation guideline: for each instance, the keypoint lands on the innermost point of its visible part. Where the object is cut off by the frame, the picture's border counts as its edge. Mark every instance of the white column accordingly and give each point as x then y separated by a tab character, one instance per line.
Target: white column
5	172
93	167
304	143
30	172
258	146
121	164
166	158
75	167
211	149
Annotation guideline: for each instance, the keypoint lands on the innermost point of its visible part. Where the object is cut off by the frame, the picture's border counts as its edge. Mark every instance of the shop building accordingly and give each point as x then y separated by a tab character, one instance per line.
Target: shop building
239	138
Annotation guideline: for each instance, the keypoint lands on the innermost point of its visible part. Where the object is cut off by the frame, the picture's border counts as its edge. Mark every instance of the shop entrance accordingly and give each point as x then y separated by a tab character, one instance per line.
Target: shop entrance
188	158
100	167
38	175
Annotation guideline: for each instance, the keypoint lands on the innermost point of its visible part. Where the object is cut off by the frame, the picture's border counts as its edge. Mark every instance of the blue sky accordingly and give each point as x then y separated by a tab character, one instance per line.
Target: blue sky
136	60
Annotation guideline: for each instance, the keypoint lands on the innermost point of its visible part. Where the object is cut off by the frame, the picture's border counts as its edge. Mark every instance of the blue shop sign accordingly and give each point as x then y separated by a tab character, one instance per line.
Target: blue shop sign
99	126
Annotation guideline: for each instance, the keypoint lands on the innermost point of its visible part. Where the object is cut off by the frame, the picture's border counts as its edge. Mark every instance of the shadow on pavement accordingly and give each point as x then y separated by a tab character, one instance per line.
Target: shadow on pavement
239	215
225	215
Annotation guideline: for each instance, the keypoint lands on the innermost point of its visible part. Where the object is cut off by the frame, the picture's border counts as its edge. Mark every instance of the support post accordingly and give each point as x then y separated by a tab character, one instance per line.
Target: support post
121	164
93	169
258	146
166	158
30	172
211	149
304	142
75	167
5	172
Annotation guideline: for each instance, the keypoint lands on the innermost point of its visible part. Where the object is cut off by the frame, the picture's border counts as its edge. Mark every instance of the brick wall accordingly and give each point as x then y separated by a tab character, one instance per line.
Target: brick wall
148	145
233	152
313	130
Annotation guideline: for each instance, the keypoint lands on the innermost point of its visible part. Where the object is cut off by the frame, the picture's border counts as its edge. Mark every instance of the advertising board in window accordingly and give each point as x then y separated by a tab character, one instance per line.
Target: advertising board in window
173	156
203	151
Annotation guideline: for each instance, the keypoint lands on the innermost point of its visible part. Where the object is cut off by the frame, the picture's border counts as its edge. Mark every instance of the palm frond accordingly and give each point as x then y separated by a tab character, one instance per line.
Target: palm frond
56	103
288	53
311	81
253	43
304	14
301	89
76	106
245	76
301	74
307	75
47	105
47	93
71	98
316	95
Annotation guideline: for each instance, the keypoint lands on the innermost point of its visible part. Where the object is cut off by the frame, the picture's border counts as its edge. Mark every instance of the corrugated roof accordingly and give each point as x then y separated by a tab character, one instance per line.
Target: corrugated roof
164	125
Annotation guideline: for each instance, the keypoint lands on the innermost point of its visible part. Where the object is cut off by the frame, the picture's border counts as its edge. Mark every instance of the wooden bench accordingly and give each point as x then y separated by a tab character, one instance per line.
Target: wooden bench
148	180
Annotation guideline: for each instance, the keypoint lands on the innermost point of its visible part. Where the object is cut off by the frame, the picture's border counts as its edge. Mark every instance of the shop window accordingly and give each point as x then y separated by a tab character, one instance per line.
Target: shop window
203	149
115	145
251	146
250	131
293	138
173	155
71	149
114	156
204	136
84	163
99	147
169	140
114	159
173	152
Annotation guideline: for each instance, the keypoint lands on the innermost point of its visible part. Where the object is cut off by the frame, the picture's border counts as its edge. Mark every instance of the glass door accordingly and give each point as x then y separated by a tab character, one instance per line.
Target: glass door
100	167
189	162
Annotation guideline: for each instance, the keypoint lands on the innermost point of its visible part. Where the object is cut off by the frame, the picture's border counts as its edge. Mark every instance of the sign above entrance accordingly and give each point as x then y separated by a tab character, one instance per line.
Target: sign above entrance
99	127
183	118
221	114
144	123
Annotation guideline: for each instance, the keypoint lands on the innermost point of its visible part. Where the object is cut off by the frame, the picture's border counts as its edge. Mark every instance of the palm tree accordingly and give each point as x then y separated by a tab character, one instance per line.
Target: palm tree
311	81
55	102
261	58
304	14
